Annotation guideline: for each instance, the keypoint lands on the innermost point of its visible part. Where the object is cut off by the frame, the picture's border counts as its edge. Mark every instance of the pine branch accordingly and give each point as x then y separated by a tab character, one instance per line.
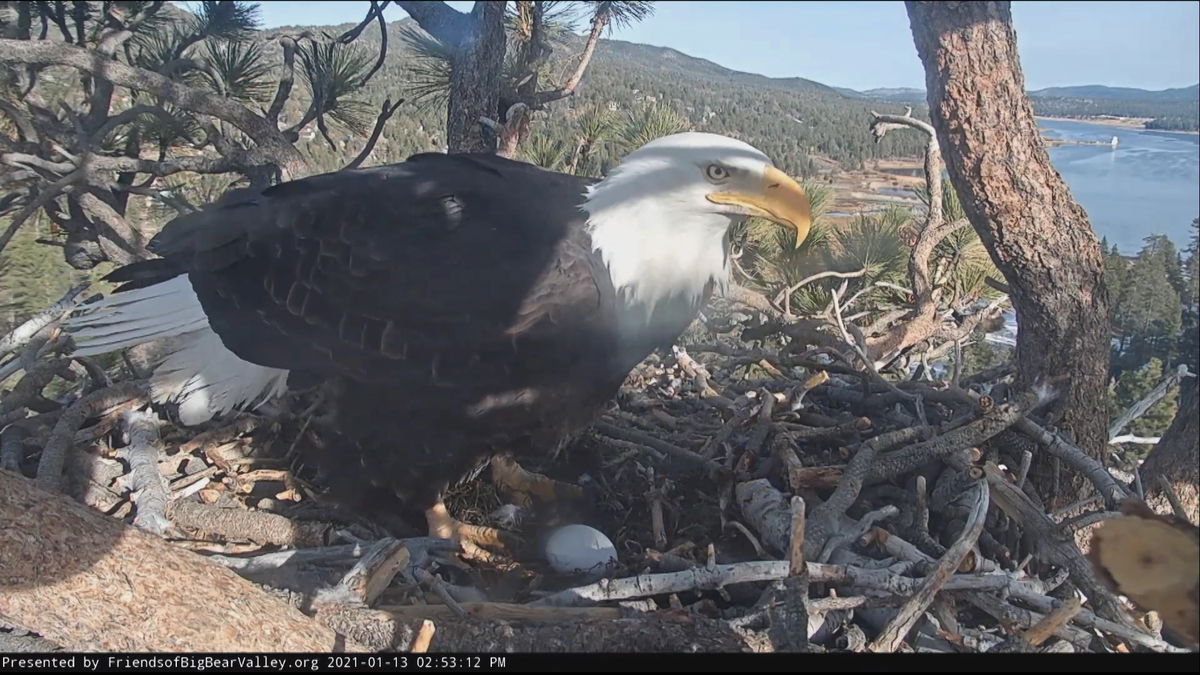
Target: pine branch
271	142
440	20
385	114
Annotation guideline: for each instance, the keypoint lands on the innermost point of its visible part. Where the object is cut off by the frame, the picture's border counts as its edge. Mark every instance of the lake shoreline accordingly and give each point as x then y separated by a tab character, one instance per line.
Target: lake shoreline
1134	123
1163	165
1123	122
861	191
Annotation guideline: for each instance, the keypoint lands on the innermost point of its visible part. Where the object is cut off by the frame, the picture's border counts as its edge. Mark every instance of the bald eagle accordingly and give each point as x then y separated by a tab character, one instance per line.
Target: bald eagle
457	305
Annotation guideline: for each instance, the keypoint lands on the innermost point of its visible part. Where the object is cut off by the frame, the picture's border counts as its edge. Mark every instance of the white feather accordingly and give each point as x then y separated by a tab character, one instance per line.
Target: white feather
652	224
134	317
198	374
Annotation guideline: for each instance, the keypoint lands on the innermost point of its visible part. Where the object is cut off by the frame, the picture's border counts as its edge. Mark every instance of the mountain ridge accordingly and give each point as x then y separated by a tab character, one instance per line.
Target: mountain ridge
1175	108
801	121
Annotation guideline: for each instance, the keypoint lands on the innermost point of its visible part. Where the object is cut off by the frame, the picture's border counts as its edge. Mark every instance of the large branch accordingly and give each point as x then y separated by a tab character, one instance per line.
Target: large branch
385	113
86	581
934	230
271	142
1172	465
118	240
376	14
112	40
44	197
922	322
23	334
165	167
599	23
1036	233
283	91
1138	409
440	20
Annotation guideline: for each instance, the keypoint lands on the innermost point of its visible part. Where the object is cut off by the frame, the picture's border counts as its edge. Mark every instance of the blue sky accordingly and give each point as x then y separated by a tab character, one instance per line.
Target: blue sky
1152	45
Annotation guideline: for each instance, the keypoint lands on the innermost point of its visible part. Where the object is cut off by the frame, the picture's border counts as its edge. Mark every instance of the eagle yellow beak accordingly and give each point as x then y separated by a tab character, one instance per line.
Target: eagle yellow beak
779	199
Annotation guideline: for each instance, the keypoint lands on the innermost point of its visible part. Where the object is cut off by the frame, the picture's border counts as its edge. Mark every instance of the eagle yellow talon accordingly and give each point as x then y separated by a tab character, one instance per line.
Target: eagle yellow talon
519	484
470	538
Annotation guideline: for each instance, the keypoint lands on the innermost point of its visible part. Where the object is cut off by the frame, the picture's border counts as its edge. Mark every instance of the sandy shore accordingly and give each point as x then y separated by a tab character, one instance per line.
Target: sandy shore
1125	123
860	191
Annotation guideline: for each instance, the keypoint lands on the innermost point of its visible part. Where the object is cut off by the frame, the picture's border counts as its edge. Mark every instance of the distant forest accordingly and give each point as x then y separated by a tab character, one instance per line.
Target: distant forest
809	129
1167	115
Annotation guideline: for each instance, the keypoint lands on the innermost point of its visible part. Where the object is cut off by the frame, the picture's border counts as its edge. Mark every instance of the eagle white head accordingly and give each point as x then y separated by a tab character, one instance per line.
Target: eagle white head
661	219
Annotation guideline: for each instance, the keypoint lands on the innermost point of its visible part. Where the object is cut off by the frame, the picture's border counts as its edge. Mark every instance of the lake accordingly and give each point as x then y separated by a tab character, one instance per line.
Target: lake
1149	184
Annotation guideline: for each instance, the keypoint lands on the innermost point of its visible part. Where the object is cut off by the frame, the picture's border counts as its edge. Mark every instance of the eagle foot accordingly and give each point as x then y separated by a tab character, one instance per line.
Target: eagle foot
520	484
470	538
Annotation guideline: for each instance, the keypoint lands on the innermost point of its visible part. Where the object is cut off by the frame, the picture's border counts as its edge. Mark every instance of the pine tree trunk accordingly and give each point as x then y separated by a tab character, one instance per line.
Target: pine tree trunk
1036	233
1176	458
475	80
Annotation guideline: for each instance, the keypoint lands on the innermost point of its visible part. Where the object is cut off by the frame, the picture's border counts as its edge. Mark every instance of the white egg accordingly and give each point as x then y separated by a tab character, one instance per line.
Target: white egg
580	549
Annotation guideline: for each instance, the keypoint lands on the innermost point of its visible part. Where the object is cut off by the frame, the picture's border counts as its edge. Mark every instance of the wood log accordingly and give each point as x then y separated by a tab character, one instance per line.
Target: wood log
815	477
88	582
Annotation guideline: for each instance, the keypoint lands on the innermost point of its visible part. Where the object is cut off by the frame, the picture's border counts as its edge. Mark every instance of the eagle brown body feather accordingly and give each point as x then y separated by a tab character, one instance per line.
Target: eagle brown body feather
452	303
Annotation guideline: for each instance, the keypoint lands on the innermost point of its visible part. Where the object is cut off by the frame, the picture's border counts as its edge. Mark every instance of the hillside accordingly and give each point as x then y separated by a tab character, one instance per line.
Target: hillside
898	94
805	125
1099	91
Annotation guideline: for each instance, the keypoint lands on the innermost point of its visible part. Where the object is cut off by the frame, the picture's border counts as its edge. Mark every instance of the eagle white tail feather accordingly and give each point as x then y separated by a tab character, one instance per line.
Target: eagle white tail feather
135	317
204	378
198	373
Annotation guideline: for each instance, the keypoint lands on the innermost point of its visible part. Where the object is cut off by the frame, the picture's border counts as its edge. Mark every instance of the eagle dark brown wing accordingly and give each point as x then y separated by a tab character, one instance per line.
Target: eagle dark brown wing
437	270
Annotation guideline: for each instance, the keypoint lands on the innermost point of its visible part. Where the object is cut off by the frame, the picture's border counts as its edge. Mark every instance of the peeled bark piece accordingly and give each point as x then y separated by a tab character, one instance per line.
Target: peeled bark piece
1152	560
767	512
88	582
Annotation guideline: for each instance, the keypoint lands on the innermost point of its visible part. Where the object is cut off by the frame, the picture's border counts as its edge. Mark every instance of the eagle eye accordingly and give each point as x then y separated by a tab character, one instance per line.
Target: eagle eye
716	173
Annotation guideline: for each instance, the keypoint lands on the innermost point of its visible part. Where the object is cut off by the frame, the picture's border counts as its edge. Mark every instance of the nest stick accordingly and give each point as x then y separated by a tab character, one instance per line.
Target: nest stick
717	576
1052	622
242	525
634	436
893	633
373	572
796	564
420	644
50	467
146	483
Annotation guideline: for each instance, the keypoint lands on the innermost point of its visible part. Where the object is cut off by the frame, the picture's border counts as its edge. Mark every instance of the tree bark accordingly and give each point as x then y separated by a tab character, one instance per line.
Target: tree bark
1176	458
475	80
88	582
478	44
1036	233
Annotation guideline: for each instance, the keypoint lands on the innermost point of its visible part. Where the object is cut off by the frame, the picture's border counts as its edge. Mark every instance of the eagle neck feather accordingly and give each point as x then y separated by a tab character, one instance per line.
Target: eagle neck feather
657	254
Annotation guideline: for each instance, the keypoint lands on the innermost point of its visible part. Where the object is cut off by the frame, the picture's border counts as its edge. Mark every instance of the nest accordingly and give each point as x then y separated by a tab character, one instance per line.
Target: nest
761	496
